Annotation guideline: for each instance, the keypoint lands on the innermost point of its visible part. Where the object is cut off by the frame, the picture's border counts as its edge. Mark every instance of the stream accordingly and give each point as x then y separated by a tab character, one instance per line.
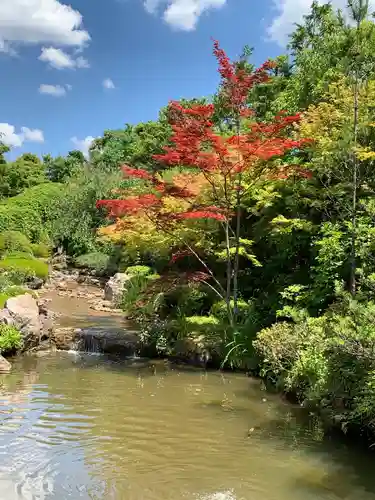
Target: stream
88	426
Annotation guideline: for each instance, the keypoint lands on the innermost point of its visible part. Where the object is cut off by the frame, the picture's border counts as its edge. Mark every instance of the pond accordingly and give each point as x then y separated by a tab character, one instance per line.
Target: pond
86	426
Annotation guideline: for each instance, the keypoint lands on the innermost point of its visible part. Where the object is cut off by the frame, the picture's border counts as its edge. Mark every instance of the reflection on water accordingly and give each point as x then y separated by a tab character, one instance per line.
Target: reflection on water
75	426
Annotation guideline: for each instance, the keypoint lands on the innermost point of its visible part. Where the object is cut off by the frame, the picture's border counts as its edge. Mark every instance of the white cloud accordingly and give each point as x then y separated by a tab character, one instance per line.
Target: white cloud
55	90
6	48
83	144
182	14
291	12
108	84
81	62
32	134
40	21
59	59
151	6
10	137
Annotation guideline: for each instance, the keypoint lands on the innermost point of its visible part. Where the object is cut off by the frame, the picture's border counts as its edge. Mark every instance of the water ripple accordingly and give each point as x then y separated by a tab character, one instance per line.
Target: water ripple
72	427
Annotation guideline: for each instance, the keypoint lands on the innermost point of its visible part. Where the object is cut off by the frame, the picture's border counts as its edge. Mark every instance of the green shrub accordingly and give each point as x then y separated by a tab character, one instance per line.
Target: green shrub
220	309
10	339
96	261
76	218
202	321
133	297
328	362
136	286
28	268
204	334
203	324
42	198
5	281
280	346
13	291
17	276
138	270
18	255
32	212
186	300
14	241
132	294
19	218
41	250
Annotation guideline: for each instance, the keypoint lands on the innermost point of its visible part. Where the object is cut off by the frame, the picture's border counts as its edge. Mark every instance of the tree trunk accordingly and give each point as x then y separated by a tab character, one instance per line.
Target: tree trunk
353	256
237	252
229	274
237	235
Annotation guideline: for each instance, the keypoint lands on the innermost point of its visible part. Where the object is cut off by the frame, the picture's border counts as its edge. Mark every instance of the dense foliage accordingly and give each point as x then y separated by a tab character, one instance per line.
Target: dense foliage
10	339
245	221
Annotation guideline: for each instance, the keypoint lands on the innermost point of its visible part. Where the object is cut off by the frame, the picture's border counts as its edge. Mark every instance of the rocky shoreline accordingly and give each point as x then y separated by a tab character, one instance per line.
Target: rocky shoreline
70	296
75	310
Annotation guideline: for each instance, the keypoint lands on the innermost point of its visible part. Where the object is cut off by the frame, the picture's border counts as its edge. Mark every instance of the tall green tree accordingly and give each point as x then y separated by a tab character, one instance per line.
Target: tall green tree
62	168
3	150
321	51
26	171
134	145
359	10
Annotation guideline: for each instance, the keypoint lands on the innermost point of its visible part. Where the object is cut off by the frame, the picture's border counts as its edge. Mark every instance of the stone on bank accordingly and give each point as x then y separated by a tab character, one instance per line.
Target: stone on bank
5	366
32	320
114	288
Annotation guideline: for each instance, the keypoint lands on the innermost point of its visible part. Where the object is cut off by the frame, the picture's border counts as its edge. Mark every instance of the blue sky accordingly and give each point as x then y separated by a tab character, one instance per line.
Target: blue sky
71	71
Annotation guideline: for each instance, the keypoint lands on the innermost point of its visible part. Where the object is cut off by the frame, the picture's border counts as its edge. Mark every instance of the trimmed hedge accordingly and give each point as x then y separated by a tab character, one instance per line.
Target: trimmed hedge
41	250
23	219
95	261
14	241
31	212
30	267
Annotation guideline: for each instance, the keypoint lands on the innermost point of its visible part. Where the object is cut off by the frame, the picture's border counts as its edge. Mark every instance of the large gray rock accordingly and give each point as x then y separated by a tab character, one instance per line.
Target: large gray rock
5	366
6	318
60	261
199	349
24	312
110	340
192	351
47	322
65	338
35	283
114	288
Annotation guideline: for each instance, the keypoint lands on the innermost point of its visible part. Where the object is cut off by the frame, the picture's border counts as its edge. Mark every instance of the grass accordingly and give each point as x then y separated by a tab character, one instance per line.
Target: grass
30	266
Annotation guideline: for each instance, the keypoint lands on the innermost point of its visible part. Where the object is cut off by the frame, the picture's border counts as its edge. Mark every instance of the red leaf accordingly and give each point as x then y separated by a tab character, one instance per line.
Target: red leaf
195	142
133	204
137	173
201	214
197	276
180	254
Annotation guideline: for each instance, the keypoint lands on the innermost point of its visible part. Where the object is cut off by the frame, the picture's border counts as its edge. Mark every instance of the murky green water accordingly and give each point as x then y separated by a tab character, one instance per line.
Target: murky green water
86	427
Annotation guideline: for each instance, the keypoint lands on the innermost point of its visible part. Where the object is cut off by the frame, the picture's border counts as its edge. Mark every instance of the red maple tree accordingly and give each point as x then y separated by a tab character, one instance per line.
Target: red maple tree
226	162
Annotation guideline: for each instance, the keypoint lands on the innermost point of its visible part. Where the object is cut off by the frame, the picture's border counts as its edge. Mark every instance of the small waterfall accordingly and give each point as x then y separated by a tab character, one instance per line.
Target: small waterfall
91	344
75	346
86	343
109	340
